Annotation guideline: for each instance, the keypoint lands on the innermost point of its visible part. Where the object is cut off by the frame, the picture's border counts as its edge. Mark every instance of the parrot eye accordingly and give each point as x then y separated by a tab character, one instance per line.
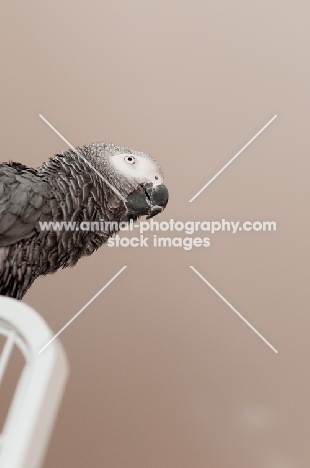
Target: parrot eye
130	159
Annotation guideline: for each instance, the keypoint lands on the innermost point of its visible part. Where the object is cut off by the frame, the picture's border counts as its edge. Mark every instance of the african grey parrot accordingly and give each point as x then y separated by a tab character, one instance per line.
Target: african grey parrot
69	188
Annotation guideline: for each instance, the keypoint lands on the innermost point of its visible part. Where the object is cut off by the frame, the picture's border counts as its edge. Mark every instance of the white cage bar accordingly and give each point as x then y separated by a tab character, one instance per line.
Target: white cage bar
37	396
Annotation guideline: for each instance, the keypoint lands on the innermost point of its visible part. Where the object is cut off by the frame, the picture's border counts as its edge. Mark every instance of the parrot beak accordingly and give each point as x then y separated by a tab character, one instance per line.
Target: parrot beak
147	200
158	198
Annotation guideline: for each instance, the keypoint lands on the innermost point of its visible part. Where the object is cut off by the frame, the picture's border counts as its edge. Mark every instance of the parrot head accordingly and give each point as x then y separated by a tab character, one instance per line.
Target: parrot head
150	195
137	176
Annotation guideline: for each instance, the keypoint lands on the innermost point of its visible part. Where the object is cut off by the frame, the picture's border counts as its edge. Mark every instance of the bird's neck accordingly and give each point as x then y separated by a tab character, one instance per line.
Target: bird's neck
79	192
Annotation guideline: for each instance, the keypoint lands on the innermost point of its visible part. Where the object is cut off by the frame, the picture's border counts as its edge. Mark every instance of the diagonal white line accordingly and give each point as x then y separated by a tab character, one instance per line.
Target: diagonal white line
232	159
83	308
233	309
85	160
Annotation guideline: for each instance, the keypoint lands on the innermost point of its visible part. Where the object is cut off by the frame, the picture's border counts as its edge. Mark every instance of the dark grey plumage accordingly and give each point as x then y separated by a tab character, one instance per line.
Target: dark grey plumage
67	189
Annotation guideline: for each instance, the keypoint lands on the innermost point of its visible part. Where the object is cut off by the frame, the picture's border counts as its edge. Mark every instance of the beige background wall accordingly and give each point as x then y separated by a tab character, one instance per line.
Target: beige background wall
163	374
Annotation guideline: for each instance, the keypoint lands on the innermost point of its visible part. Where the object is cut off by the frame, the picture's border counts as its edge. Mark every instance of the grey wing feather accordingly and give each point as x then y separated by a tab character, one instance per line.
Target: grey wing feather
23	202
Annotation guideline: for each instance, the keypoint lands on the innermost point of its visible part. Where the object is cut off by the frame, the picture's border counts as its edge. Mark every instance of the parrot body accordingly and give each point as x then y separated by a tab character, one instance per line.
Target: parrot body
95	183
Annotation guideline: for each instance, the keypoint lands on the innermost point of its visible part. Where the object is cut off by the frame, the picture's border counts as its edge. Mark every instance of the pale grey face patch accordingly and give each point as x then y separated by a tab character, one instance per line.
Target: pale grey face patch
137	168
